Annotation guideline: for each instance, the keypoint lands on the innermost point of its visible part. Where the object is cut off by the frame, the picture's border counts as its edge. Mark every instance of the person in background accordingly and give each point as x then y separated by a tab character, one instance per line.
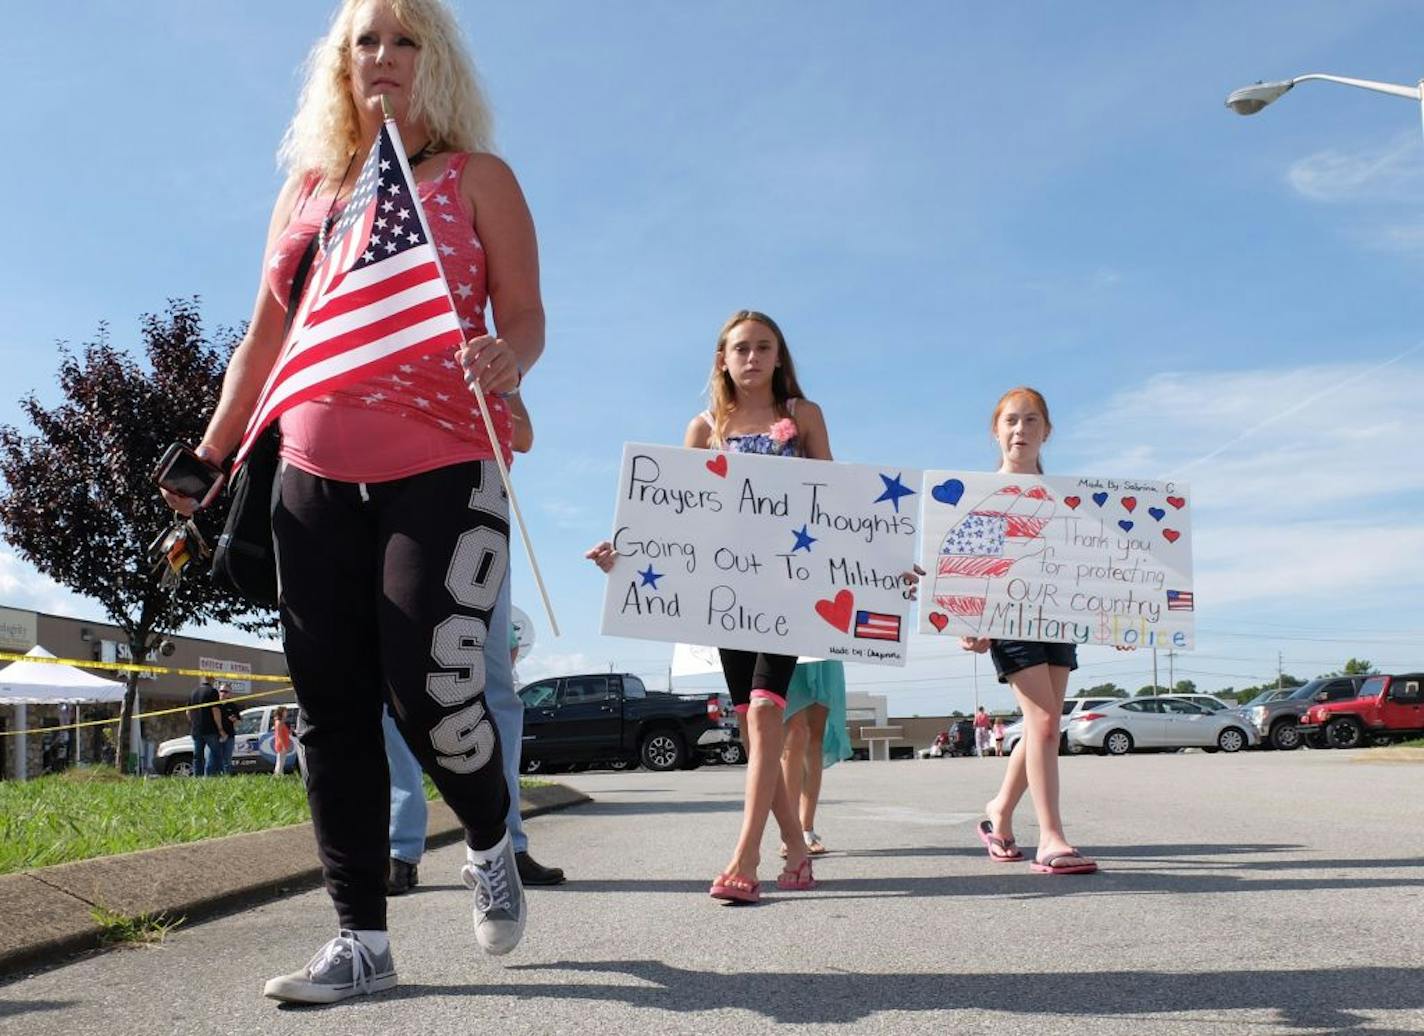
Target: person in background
204	723
229	713
281	739
998	732
816	737
981	733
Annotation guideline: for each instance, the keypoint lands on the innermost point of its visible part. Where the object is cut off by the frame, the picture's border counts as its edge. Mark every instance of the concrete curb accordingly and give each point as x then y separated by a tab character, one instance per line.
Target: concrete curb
1392	755
48	912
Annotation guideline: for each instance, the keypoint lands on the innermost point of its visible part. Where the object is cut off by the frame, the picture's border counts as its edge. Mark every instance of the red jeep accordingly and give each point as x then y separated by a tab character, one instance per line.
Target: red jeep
1389	708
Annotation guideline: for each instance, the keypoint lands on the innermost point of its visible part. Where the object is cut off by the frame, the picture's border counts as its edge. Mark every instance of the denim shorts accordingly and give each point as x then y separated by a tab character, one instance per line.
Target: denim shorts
1012	655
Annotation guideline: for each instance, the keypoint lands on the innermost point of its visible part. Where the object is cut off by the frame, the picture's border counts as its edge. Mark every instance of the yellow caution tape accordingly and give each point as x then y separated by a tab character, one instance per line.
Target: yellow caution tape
142	715
131	667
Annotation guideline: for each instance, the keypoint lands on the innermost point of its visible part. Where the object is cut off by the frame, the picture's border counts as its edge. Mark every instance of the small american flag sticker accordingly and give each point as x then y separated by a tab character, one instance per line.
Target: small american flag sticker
877	626
1179	601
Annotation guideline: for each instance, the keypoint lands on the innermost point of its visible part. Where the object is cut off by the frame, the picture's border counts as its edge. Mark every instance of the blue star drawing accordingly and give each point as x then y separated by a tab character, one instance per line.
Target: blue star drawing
650	578
803	540
894	490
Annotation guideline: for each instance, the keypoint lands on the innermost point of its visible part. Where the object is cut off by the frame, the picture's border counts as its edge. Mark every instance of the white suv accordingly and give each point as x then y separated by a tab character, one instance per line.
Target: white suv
251	751
1014	731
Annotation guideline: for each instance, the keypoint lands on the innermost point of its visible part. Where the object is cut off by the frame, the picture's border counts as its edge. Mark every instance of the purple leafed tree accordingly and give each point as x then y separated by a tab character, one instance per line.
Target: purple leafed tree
77	501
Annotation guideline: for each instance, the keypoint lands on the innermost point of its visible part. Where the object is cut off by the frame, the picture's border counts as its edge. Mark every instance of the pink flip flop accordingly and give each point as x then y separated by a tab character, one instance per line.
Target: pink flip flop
1071	862
1009	852
799	880
745	890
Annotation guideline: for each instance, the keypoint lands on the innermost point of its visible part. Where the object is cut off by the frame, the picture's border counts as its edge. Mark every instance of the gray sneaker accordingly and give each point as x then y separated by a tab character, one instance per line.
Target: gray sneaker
343	967
499	900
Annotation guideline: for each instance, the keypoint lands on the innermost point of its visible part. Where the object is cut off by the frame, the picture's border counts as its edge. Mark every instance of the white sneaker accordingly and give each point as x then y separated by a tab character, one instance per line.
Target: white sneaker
499	898
342	968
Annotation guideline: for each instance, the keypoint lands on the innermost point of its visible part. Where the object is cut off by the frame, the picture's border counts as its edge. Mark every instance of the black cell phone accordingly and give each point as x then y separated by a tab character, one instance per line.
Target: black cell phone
183	472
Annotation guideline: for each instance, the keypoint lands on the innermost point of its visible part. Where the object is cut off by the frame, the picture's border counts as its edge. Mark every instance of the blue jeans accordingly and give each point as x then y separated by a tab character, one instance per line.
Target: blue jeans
207	756
409	815
225	753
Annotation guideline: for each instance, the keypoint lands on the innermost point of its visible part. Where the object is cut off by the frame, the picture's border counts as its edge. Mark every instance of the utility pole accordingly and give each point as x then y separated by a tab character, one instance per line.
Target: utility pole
1171	672
1280	672
1154	670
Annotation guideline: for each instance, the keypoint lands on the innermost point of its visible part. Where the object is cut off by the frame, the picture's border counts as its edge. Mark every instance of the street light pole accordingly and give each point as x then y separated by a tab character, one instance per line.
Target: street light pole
1250	99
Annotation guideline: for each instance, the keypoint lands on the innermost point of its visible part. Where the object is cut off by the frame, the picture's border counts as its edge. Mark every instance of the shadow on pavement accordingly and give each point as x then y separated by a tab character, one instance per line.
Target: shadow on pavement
602	808
15	1008
1331	998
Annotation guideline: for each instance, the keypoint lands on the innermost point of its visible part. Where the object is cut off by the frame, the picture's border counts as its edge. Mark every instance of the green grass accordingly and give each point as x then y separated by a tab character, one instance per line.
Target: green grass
92	811
1411	744
142	929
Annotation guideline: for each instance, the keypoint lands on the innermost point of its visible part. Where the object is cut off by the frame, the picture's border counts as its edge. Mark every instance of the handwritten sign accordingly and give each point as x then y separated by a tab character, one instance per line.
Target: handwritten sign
778	554
1064	559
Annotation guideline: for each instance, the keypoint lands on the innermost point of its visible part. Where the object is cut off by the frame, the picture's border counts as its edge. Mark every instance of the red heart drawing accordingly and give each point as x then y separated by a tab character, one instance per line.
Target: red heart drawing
1172	535
1178	502
718	465
939	620
1073	501
1130	503
837	612
1036	493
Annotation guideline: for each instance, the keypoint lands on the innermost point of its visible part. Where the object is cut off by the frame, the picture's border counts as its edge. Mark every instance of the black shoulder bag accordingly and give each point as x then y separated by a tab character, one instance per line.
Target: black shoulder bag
244	560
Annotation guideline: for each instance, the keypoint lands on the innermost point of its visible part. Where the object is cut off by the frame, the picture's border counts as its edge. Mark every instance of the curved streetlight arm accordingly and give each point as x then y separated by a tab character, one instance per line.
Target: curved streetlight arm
1411	93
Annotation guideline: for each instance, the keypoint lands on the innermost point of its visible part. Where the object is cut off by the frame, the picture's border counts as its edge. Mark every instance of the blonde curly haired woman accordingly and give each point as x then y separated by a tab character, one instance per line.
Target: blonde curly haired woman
390	524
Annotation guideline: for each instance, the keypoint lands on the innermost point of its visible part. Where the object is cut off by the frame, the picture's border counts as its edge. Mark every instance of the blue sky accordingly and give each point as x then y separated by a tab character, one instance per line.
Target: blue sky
936	200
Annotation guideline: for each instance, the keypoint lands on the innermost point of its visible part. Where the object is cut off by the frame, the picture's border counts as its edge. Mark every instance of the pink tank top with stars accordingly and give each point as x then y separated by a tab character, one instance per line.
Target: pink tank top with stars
421	416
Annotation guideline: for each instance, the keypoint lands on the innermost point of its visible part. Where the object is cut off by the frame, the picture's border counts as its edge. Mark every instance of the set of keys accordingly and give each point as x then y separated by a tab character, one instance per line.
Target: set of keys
174	549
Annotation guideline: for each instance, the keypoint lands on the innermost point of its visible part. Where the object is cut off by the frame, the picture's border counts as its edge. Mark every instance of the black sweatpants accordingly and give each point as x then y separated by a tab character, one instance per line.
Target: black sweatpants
386	593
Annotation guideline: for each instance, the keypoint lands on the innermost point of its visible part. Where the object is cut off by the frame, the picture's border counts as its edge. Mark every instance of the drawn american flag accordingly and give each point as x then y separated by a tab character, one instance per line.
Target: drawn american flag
376	296
985	545
1180	601
877	626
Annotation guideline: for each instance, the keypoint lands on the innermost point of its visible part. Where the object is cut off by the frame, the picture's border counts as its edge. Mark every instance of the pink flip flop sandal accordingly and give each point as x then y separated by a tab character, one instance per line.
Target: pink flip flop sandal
736	888
1009	852
799	880
1071	862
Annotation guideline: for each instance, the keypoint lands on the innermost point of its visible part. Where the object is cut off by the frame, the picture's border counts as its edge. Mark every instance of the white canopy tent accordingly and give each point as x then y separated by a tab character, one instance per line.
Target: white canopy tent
47	683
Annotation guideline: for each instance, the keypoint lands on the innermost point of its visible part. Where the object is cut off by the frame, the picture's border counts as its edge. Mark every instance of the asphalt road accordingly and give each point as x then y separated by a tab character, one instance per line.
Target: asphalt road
1264	892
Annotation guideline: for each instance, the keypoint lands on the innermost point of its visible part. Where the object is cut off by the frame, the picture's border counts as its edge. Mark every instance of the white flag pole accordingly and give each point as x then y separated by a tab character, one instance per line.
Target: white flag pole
479	391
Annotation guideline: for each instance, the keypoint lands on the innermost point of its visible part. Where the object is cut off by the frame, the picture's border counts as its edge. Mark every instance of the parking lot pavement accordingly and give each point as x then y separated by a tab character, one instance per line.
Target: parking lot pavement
1263	892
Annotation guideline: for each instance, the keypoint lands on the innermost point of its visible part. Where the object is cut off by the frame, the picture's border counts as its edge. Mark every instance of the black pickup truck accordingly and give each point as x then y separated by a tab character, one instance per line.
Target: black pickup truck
612	718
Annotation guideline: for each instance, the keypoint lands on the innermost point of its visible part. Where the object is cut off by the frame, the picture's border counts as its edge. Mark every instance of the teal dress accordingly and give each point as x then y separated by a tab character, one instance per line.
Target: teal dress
823	683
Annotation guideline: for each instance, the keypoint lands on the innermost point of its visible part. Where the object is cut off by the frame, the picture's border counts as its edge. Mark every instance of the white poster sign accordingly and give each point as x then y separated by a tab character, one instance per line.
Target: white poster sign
779	554
238	669
1057	558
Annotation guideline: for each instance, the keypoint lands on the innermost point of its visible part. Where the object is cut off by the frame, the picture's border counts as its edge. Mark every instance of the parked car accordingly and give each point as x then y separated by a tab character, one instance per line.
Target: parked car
1164	722
1210	702
1276	719
612	717
1388	708
251	751
958	739
730	752
1071	707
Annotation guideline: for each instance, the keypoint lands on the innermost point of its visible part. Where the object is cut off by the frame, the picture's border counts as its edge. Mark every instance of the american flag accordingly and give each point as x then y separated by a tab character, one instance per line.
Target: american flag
877	626
376	296
985	545
1180	601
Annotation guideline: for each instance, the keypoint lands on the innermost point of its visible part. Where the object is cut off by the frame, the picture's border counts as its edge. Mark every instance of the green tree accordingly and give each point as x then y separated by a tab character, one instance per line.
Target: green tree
1185	687
77	501
1147	691
1358	667
1104	690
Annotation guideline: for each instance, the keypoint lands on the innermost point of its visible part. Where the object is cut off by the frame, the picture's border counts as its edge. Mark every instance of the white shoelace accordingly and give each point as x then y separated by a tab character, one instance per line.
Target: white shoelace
332	953
491	884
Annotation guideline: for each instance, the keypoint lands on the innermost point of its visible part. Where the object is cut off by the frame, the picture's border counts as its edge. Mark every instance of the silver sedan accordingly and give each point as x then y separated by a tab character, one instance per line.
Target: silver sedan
1161	722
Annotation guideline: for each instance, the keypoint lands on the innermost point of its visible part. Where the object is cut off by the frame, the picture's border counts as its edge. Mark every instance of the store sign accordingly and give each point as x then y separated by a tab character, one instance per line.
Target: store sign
19	630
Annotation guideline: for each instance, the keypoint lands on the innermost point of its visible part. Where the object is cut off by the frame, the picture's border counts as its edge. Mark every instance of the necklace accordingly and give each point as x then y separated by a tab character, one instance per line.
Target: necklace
427	150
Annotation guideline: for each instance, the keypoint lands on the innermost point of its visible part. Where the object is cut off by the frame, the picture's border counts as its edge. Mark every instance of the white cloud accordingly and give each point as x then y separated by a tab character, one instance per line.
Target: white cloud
540	664
22	586
1390	172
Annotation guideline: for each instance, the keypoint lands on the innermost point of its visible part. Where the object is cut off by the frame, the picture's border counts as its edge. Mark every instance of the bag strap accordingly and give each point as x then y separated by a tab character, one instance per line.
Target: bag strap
299	284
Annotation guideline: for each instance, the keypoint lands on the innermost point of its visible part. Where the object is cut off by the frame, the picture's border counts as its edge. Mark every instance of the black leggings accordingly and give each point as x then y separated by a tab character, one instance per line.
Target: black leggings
386	595
748	671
